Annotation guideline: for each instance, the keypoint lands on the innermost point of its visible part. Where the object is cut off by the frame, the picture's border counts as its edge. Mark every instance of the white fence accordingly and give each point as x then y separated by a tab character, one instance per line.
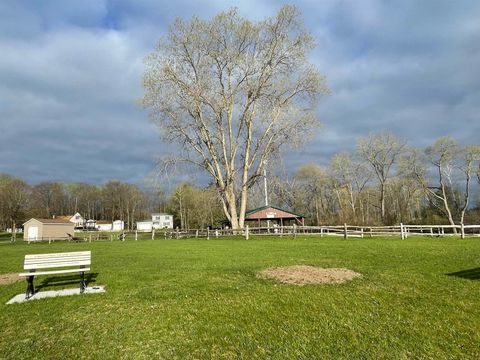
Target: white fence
346	231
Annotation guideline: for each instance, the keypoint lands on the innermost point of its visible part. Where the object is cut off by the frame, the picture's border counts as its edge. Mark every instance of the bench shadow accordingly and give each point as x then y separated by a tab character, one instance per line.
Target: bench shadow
65	280
471	274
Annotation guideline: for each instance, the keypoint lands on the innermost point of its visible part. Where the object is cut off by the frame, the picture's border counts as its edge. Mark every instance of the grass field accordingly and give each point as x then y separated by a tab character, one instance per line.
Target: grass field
200	299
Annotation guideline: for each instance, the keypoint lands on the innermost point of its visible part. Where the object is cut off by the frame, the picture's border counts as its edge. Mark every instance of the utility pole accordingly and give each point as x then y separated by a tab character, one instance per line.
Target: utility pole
265	188
265	182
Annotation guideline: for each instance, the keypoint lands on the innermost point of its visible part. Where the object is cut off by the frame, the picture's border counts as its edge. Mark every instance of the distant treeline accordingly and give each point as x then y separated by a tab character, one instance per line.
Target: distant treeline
382	182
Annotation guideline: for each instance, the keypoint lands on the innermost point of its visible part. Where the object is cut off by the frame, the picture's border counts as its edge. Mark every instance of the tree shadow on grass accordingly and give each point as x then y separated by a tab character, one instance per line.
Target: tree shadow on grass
471	274
65	280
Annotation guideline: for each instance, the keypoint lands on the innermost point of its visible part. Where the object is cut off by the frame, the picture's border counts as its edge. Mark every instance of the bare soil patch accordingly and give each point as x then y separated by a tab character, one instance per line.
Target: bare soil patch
6	279
303	275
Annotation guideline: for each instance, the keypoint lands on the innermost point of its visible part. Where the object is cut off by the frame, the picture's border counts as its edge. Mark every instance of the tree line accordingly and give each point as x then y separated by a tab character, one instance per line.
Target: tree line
192	206
382	182
385	182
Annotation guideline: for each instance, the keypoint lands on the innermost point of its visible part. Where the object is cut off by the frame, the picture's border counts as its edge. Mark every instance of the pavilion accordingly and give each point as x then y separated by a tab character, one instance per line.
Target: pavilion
275	214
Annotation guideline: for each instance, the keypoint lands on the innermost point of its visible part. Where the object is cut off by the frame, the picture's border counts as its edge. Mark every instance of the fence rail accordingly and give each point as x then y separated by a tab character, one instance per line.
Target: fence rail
345	231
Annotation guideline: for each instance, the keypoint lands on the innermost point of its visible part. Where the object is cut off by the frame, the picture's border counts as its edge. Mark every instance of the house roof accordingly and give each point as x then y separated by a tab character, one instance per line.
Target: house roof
51	221
64	217
253	211
104	222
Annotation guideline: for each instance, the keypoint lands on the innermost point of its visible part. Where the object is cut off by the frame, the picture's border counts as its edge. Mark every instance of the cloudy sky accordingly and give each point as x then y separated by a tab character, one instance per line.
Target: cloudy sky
70	76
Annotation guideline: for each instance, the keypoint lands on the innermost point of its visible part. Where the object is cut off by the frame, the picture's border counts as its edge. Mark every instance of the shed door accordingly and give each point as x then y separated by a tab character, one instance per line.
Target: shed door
32	233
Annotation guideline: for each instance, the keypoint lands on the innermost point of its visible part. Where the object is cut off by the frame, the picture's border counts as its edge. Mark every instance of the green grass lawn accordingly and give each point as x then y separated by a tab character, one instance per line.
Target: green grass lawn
200	299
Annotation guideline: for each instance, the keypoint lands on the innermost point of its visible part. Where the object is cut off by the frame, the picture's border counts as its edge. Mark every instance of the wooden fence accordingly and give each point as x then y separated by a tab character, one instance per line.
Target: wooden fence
345	231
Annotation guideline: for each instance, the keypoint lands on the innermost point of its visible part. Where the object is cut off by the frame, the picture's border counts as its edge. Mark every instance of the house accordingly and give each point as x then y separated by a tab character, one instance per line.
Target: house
77	219
38	229
145	225
159	221
162	221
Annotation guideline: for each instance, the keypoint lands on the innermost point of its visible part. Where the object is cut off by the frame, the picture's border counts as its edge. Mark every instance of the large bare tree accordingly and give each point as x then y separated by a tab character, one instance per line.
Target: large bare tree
381	151
232	93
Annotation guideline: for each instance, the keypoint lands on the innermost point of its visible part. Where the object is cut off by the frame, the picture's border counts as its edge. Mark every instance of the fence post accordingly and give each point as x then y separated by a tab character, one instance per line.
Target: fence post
294	230
208	233
196	233
345	234
49	240
321	232
402	235
177	235
153	234
246	232
111	237
462	228
216	233
431	231
361	231
136	235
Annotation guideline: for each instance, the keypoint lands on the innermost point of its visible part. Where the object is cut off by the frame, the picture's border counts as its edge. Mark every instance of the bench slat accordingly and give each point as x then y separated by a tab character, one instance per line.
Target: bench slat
57	260
56	265
67	254
52	260
54	272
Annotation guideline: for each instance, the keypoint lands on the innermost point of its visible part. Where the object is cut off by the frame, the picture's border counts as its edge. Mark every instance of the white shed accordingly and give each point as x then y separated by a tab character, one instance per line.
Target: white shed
118	225
145	225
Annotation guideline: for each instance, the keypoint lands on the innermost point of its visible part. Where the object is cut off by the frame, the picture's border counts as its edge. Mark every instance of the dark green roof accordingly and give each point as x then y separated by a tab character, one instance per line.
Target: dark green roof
252	211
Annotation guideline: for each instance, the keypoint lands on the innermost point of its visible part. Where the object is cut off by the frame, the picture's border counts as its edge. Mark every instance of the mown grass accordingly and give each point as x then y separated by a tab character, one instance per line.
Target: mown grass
200	299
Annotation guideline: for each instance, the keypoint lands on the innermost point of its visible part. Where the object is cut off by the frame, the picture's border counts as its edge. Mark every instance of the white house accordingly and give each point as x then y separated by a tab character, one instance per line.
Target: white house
77	219
145	225
162	221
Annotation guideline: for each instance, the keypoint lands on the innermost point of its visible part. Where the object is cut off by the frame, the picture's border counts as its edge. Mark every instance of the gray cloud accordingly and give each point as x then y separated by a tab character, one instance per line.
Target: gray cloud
70	73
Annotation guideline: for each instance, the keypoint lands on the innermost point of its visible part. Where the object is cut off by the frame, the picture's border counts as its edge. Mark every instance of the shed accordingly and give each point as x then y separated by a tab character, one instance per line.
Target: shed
103	225
145	225
39	229
274	214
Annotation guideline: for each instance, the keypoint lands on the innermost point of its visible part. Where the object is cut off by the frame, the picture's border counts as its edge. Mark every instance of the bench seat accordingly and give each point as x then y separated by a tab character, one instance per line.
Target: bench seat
66	271
56	263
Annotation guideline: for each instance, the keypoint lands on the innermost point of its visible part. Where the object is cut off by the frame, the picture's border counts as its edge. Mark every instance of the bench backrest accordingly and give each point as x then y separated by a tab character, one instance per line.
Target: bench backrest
57	260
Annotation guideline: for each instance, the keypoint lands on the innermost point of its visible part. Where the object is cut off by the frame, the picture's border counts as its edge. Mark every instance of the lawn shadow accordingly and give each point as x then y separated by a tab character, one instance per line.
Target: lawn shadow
471	274
65	280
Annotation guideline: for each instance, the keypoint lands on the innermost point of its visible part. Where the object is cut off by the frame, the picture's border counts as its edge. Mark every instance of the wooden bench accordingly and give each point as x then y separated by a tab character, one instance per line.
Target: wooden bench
60	263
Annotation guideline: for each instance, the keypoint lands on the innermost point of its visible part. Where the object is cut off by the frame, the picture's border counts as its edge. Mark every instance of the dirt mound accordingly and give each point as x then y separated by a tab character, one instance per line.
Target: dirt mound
303	275
6	279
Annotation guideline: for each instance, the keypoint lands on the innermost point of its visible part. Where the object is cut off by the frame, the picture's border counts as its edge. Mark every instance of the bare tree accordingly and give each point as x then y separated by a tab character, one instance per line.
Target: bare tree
14	195
381	151
351	175
470	157
232	93
48	199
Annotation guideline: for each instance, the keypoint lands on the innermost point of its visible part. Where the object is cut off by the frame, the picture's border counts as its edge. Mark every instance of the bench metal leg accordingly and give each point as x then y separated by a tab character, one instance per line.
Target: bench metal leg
30	289
82	282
